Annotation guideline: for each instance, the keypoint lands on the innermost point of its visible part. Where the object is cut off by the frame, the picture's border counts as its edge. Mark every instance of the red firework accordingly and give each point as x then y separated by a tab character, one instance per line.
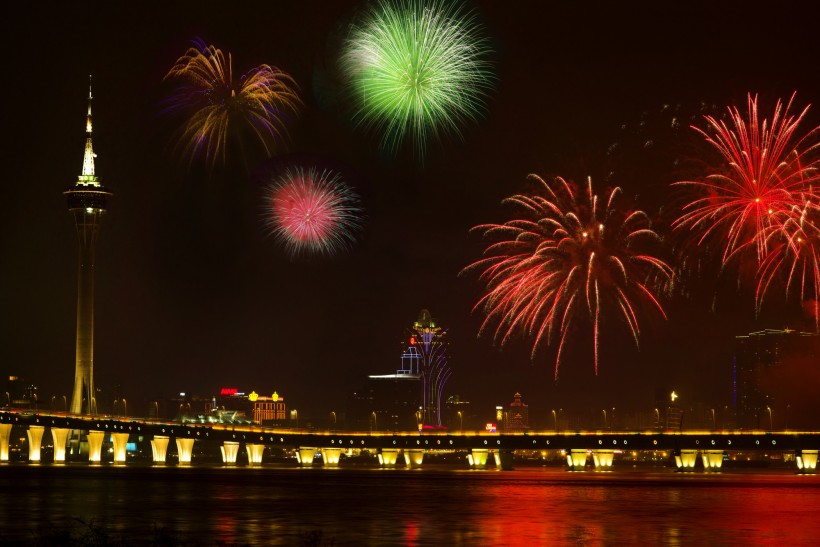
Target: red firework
792	257
571	257
766	169
313	212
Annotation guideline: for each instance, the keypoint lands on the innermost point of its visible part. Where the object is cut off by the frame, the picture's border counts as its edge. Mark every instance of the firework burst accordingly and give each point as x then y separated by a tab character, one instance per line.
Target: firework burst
570	258
216	105
766	169
417	69
792	257
312	212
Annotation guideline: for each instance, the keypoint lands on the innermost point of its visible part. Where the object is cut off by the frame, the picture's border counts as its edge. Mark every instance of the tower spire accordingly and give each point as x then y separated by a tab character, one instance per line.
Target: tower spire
88	177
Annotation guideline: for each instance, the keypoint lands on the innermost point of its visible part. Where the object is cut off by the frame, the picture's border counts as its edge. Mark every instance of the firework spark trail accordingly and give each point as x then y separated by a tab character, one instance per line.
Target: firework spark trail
766	168
215	104
417	68
793	251
312	212
567	259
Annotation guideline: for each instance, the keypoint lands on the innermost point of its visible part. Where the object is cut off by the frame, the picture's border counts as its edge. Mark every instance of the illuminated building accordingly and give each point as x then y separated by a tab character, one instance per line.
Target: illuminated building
428	343
269	410
87	201
410	398
758	355
515	416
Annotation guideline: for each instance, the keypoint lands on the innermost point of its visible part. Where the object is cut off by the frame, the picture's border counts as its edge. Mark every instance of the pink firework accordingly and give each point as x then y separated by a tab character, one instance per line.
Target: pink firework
571	258
766	168
312	212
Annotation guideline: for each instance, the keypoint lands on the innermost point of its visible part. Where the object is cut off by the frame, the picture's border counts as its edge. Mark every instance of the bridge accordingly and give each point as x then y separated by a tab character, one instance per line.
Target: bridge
480	446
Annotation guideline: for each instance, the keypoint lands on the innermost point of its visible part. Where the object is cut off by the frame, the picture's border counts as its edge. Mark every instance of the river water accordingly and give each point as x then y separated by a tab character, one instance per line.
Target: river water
434	505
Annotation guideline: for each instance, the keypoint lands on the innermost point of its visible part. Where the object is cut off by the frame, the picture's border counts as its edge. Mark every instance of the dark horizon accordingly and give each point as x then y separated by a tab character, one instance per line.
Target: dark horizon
193	295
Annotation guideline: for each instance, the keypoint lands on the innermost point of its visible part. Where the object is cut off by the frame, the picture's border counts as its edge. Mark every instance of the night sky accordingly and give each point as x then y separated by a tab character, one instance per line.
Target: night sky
193	295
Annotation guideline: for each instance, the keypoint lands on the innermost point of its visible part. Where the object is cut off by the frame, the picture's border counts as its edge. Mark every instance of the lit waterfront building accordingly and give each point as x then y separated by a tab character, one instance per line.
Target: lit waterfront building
87	201
269	410
515	416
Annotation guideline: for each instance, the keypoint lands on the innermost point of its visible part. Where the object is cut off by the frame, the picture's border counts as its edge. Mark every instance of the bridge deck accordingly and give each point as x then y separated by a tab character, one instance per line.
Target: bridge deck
438	440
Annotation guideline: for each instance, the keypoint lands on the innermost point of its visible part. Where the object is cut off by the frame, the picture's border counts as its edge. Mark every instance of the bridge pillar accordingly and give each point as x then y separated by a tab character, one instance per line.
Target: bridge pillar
478	457
807	461
331	455
120	441
254	453
184	449
305	455
685	460
413	456
229	451
712	460
5	435
504	458
388	456
577	459
35	439
60	436
159	447
95	442
603	459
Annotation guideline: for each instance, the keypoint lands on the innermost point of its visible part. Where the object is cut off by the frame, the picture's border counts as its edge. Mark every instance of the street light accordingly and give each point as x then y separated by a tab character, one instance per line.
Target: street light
771	424
373	414
460	421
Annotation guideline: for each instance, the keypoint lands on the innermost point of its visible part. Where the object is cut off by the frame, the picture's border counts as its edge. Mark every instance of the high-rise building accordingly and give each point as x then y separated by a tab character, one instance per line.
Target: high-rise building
759	355
516	415
87	201
428	341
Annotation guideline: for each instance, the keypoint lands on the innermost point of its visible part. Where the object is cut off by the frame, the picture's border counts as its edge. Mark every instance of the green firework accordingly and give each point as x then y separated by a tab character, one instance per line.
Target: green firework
417	69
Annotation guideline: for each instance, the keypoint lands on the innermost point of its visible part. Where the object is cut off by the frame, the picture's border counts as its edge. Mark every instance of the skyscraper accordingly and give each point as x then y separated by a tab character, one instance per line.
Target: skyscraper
760	356
87	201
431	360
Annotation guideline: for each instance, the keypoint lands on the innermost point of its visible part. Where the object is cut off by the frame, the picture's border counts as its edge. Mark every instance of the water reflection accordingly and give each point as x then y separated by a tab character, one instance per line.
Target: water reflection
435	505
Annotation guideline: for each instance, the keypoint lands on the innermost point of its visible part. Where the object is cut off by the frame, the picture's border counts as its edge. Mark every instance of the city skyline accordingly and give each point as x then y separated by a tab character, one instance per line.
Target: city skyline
192	293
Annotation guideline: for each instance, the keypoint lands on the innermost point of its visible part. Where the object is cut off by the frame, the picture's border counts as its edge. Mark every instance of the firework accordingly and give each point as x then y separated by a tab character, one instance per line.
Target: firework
312	212
570	258
765	170
792	257
215	105
417	69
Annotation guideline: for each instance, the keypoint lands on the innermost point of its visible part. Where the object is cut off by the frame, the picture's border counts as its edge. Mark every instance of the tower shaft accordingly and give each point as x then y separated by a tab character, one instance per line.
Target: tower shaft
87	222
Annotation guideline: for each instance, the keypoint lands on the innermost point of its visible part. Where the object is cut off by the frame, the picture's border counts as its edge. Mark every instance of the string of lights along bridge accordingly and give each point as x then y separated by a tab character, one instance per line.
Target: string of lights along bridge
478	448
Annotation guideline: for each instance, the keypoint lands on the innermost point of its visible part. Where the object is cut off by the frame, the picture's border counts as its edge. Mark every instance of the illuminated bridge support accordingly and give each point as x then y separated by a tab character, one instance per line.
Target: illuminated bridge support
478	457
504	459
35	439
305	455
577	459
712	460
159	447
95	442
60	436
414	456
388	456
807	461
686	459
120	441
229	451
331	455
603	459
254	453
5	435
184	449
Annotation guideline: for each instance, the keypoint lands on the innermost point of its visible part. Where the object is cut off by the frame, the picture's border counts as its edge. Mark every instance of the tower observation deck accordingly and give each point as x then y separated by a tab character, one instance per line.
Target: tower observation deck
87	200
